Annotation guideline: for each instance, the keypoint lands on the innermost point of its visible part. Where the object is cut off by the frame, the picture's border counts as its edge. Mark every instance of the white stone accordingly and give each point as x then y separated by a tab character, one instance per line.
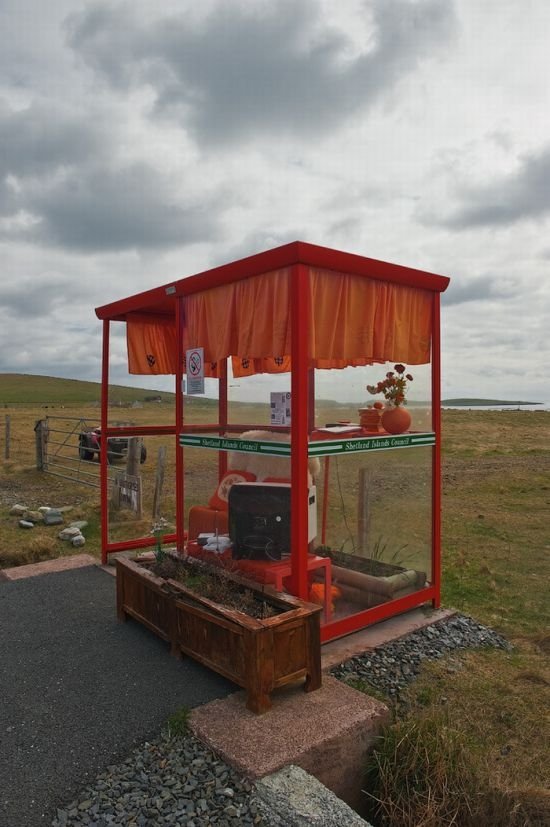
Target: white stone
68	533
78	541
18	510
25	524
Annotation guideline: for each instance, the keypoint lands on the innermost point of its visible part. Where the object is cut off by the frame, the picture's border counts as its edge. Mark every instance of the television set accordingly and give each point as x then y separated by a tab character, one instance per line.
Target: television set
259	519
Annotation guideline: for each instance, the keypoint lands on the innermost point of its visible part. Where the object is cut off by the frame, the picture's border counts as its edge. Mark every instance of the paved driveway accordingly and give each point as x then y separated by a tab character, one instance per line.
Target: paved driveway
78	689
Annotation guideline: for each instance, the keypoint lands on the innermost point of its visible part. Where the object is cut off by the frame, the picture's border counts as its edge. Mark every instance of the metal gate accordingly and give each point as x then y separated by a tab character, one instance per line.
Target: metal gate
64	449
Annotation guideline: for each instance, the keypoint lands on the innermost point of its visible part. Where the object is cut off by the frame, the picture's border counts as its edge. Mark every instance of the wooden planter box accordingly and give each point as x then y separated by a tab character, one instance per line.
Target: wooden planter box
259	655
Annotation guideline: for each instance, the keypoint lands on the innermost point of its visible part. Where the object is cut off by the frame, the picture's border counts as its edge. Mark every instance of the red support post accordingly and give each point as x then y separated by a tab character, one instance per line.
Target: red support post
103	468
300	312
179	414
222	415
436	455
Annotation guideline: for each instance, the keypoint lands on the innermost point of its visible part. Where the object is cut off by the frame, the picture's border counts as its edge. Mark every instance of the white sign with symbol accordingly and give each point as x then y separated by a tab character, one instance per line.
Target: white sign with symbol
194	359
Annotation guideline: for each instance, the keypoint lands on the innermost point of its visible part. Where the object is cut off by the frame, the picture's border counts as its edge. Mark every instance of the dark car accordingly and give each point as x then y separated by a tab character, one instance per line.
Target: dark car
89	446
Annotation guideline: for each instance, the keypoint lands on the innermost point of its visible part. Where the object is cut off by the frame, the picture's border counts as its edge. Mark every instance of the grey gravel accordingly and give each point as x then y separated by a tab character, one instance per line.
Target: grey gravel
165	781
391	667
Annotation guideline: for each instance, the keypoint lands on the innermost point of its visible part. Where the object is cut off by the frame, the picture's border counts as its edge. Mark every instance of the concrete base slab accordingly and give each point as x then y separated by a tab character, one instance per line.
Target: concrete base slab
327	733
75	561
337	651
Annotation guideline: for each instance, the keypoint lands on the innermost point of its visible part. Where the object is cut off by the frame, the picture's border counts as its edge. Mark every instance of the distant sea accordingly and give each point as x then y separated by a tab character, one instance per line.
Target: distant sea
540	406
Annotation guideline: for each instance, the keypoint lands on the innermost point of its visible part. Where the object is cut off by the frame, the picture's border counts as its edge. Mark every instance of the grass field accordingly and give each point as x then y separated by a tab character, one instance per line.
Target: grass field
496	566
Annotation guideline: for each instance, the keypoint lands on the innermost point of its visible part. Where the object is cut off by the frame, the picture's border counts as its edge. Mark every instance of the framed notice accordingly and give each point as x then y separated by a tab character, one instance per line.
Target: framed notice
280	408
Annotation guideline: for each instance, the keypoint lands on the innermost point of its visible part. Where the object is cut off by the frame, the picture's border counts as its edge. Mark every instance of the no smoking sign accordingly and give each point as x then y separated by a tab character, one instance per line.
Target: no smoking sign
194	360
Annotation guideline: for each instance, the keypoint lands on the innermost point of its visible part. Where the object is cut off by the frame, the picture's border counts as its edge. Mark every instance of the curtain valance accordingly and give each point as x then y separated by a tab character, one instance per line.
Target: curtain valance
354	321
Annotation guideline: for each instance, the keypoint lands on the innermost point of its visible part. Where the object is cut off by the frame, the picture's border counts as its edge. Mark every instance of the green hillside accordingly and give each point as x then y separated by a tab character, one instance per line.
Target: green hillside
473	402
29	389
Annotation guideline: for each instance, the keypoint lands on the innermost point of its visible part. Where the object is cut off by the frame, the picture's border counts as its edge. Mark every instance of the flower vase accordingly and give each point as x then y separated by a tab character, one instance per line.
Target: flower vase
396	419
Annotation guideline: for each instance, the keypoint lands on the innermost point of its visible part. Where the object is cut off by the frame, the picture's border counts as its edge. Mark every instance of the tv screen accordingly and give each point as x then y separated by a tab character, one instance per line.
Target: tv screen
259	520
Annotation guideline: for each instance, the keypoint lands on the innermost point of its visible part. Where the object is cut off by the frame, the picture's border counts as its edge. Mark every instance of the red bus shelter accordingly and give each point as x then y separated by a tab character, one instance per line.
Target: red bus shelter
320	324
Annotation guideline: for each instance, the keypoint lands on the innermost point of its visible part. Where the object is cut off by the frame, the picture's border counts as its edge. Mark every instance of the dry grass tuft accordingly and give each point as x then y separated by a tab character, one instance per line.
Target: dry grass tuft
36	550
421	774
532	677
542	642
43	547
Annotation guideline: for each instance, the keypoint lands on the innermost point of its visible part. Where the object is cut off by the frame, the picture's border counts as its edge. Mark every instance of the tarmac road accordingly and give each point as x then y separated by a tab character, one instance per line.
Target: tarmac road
78	690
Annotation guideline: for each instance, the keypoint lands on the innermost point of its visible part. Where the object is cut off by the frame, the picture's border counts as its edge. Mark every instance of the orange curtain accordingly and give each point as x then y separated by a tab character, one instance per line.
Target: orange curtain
151	345
354	321
249	318
358	321
249	367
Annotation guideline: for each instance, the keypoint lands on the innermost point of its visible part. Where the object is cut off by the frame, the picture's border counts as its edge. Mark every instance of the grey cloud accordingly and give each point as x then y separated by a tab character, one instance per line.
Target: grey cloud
522	195
479	288
26	299
240	72
56	171
105	209
121	208
259	241
41	138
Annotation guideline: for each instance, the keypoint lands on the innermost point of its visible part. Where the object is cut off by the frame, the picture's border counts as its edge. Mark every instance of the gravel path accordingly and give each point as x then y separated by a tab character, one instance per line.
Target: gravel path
78	690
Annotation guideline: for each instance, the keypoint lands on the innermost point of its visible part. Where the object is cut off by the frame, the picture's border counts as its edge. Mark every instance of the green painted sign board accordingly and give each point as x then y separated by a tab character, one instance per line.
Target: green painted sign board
317	448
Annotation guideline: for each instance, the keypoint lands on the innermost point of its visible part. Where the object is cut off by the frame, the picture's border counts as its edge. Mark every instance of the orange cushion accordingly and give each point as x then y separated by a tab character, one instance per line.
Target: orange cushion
219	499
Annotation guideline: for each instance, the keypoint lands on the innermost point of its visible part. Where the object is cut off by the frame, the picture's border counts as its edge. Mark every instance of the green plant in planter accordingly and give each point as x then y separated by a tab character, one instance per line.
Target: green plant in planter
158	533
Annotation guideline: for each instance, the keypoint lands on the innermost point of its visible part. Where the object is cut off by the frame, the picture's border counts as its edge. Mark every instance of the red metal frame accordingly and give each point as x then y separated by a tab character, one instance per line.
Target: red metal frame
222	416
299	428
161	299
360	620
436	451
168	302
179	413
103	480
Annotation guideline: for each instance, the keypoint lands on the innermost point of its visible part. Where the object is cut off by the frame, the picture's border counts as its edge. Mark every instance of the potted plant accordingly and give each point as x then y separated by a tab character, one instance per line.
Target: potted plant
395	417
274	643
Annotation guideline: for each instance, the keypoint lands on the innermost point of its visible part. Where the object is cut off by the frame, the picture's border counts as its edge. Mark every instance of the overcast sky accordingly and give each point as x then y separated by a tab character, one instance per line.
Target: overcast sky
141	142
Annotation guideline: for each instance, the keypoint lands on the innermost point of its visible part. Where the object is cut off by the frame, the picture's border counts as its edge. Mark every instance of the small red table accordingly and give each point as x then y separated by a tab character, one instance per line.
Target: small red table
273	572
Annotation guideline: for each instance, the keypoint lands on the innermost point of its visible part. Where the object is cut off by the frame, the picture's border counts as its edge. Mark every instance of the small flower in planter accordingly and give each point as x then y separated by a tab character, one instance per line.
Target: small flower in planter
158	533
394	386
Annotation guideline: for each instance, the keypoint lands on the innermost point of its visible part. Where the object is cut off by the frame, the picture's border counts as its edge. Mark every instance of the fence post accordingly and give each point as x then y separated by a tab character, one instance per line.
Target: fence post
363	517
41	436
133	457
8	434
159	482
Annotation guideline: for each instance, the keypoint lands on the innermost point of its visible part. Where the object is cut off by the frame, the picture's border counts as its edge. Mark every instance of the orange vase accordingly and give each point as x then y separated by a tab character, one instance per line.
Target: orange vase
396	420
